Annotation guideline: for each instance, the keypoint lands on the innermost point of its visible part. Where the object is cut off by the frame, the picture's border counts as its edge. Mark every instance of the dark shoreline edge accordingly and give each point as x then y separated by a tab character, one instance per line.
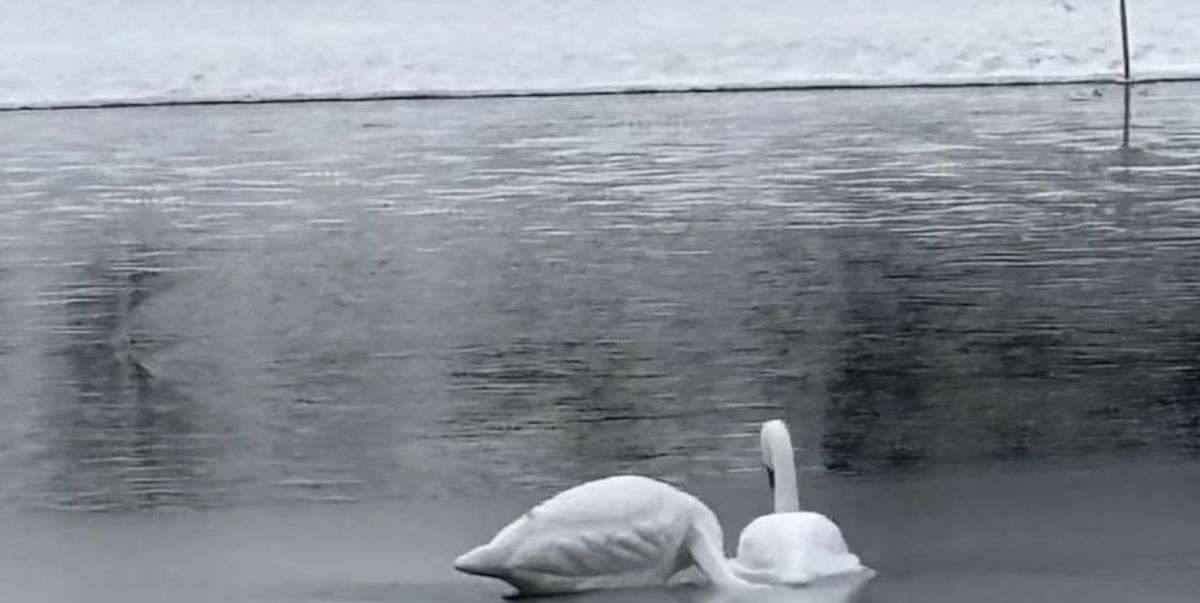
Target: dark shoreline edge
451	95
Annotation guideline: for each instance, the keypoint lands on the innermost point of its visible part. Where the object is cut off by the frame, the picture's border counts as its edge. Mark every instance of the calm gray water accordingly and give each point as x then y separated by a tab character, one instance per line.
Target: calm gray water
981	319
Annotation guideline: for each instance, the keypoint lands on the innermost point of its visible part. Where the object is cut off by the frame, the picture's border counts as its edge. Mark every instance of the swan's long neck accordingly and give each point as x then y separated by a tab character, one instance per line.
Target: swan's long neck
777	445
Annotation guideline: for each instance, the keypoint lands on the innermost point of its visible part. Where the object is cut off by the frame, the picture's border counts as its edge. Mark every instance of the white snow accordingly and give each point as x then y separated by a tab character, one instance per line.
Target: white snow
66	52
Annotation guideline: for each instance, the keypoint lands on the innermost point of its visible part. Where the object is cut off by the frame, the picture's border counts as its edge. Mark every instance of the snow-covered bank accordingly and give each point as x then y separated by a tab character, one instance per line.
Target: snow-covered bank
62	52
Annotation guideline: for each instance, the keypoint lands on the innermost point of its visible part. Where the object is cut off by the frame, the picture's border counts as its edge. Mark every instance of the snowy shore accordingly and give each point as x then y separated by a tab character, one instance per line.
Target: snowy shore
60	52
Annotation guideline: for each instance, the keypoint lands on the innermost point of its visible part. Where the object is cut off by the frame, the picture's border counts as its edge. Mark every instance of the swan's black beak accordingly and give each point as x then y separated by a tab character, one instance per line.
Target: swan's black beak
771	477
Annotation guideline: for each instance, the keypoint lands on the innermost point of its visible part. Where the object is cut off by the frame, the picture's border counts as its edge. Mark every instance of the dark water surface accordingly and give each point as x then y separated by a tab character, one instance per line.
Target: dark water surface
982	320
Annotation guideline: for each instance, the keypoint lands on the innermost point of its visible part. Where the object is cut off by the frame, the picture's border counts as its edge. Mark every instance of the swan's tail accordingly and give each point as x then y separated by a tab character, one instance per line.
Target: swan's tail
481	561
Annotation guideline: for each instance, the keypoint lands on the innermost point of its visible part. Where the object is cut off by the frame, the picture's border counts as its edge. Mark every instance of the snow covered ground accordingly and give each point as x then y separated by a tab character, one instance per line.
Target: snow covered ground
65	52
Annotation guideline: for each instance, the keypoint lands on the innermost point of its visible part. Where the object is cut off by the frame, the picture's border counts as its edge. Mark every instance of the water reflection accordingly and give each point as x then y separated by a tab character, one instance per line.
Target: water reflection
237	304
117	435
839	590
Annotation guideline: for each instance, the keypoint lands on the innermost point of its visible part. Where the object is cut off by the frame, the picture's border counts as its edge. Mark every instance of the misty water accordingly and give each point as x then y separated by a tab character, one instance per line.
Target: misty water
311	352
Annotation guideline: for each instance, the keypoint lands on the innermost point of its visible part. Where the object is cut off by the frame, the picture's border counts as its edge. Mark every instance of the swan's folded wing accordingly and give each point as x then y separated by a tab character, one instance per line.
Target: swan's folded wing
599	551
612	526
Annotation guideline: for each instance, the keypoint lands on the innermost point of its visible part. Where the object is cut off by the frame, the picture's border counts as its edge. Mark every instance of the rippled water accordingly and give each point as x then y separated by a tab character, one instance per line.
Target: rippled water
205	306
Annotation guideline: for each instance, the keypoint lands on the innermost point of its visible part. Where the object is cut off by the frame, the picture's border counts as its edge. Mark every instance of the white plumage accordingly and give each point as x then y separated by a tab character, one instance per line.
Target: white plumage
616	532
790	546
632	531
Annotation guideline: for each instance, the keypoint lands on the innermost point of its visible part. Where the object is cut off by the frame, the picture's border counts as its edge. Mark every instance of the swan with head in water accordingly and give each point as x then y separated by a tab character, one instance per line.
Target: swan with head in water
790	546
618	532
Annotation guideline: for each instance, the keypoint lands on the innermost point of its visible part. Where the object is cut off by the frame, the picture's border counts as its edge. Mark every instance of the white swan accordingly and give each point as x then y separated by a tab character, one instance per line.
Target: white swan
790	546
618	532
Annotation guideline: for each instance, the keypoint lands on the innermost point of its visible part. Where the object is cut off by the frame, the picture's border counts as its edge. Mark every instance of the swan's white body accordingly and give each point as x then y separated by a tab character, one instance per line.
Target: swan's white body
794	548
790	546
618	532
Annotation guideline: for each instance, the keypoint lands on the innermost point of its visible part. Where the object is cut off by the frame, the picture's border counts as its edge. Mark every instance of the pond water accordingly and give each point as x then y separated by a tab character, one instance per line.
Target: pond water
981	318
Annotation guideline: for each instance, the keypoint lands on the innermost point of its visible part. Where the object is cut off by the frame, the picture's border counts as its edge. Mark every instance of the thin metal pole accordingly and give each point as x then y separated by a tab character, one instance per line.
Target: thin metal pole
1125	39
1128	115
1128	81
